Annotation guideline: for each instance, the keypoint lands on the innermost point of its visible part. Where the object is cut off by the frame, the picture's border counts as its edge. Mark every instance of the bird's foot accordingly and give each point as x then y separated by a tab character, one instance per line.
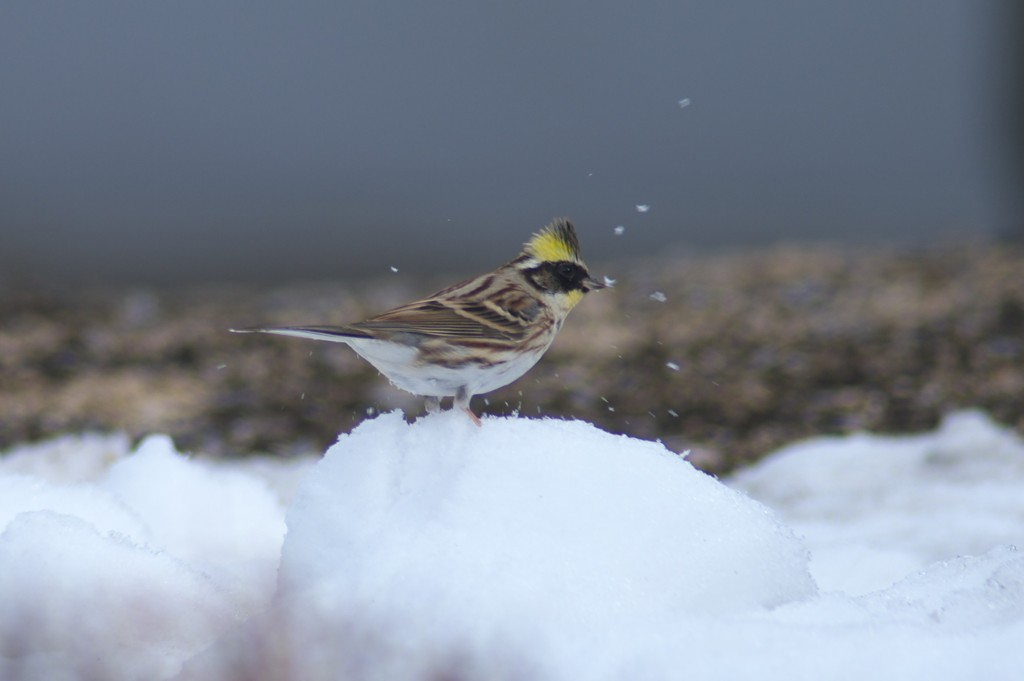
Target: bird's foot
473	417
461	401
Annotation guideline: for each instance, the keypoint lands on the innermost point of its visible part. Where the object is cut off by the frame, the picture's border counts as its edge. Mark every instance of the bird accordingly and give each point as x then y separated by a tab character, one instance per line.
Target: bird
477	335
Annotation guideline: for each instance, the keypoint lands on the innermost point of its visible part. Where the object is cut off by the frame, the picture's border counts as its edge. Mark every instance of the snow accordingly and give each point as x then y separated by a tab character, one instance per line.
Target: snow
547	561
522	549
145	557
952	492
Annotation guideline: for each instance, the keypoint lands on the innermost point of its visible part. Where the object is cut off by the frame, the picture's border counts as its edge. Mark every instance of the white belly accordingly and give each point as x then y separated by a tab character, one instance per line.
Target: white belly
401	365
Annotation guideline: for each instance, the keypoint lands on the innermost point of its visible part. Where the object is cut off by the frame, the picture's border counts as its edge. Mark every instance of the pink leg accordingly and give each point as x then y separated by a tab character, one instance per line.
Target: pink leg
461	401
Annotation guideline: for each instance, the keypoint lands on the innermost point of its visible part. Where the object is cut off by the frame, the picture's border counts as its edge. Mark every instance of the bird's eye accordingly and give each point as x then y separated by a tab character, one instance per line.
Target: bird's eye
566	271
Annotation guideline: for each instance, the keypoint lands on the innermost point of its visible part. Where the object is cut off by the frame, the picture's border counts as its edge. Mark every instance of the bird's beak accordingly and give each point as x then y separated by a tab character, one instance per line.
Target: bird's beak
593	285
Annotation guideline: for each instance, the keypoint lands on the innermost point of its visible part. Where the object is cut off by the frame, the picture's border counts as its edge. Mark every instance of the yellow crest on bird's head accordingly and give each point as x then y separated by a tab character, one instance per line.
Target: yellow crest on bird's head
556	242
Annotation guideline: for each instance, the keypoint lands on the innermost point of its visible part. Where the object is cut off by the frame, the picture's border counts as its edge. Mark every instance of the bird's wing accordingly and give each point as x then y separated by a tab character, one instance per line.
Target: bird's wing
499	318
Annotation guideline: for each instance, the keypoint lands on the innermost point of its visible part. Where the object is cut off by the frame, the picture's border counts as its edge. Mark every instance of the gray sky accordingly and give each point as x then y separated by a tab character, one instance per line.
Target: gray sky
199	140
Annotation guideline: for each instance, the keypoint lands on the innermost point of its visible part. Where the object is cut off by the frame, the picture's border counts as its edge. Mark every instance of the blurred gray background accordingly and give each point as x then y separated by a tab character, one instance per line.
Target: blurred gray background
191	141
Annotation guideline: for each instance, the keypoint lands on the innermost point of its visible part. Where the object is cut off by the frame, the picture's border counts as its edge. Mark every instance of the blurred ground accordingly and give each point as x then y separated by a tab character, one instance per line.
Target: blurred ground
738	355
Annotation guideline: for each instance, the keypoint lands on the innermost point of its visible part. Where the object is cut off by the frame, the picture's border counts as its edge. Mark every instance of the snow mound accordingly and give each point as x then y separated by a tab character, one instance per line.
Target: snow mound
225	522
524	525
121	565
66	459
894	504
79	603
538	517
958	619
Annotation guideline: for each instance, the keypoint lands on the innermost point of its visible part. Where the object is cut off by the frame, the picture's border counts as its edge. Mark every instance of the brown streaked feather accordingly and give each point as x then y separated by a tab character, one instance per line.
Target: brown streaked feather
503	315
426	317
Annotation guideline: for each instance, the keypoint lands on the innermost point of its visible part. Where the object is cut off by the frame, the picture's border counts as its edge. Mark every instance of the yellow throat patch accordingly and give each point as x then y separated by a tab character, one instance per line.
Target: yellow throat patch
554	243
573	298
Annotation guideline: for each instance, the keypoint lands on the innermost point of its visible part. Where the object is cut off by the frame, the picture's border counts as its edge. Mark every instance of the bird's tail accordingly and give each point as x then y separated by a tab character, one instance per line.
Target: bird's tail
335	334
